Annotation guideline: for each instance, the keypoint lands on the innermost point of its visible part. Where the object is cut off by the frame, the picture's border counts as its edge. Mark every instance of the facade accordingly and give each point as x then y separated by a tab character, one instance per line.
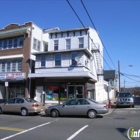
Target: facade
16	61
60	64
68	66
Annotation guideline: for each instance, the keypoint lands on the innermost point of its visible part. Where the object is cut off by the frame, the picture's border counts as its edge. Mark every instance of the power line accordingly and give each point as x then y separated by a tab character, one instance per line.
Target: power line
84	27
97	32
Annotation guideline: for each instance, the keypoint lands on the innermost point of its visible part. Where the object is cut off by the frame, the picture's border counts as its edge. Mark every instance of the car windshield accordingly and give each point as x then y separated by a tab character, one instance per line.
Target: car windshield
30	100
127	94
93	101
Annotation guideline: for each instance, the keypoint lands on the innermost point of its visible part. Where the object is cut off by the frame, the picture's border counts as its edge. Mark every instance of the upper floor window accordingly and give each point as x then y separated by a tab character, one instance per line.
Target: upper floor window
68	43
11	66
21	41
11	43
73	60
0	44
43	60
81	42
57	59
55	45
36	44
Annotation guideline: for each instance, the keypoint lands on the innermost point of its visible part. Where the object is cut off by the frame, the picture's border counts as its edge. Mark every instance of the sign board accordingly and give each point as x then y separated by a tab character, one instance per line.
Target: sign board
12	76
6	84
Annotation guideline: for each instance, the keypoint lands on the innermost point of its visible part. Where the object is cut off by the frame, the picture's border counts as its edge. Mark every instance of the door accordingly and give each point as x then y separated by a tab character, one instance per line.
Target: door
69	108
75	91
8	106
39	92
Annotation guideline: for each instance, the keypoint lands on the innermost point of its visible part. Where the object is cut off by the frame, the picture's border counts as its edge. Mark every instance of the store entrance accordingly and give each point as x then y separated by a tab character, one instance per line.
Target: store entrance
75	91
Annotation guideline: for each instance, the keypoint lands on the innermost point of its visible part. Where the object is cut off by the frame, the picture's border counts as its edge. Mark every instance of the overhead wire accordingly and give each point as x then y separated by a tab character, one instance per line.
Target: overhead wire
97	32
84	27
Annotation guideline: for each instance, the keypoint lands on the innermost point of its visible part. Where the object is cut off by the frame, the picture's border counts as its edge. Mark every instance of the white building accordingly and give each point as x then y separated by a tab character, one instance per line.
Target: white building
69	64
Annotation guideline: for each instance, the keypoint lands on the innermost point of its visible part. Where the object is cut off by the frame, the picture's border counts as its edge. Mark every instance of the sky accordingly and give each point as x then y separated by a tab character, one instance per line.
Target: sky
117	23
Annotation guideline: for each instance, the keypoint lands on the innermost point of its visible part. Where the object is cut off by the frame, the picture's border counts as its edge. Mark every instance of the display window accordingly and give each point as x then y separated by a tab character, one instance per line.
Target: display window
56	92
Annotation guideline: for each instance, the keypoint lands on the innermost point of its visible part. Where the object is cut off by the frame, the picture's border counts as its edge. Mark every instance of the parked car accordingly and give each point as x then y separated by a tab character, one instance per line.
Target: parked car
79	106
124	99
21	105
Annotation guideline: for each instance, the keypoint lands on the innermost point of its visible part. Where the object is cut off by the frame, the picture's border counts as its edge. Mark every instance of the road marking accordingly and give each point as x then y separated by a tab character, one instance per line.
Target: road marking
12	129
76	133
27	130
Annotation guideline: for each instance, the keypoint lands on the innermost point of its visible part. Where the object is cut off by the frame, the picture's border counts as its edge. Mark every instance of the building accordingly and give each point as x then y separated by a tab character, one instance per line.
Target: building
16	61
59	64
68	66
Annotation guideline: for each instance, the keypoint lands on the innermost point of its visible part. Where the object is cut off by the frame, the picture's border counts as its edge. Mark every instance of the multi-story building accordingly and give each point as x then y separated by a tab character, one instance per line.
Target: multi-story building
68	66
62	64
16	62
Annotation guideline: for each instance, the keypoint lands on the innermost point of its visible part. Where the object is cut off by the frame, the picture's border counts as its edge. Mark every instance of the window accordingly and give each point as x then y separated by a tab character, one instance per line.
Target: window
55	45
21	42
19	100
12	101
15	43
5	44
10	43
43	61
19	67
72	102
3	66
81	42
83	102
0	44
14	66
73	61
8	66
68	43
57	59
36	44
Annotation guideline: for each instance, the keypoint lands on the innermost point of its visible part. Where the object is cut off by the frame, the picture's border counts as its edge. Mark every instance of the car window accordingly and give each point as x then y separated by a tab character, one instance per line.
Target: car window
12	101
93	101
83	102
72	102
19	100
127	94
30	100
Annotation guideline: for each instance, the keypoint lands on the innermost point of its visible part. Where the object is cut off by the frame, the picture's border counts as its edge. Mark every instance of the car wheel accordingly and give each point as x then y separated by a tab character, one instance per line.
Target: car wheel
92	114
1	110
133	106
24	112
54	113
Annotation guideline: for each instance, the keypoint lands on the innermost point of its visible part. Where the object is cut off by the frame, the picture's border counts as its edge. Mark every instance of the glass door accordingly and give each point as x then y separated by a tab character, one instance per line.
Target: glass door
75	91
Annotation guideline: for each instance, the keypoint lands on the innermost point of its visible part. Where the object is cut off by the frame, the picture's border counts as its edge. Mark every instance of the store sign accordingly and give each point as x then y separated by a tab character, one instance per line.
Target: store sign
12	76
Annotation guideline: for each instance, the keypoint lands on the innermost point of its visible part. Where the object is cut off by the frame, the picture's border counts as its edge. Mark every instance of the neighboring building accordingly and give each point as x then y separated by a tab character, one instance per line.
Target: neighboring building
16	61
69	66
111	86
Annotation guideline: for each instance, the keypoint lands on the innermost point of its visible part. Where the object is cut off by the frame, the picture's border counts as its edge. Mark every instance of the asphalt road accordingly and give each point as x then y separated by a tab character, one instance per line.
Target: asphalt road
40	127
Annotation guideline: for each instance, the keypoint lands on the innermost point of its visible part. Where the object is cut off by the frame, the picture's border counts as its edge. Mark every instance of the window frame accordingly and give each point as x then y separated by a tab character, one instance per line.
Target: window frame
73	59
81	44
42	61
56	45
68	44
57	60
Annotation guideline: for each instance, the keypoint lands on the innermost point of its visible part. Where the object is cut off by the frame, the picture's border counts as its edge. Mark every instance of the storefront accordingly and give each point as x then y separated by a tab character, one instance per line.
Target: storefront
12	85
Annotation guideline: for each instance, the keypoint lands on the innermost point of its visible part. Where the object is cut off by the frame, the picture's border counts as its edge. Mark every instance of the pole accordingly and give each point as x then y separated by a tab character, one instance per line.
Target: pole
119	74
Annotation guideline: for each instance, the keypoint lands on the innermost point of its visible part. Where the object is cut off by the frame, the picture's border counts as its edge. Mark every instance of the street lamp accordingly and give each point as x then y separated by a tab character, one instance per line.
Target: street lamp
119	76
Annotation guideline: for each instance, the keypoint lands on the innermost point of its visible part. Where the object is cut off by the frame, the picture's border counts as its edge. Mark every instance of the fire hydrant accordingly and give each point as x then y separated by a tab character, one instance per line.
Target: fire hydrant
109	104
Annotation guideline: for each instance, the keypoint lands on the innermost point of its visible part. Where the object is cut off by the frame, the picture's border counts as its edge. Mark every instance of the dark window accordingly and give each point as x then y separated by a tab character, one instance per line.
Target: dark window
19	100
43	60
57	59
73	55
12	101
72	102
82	102
55	45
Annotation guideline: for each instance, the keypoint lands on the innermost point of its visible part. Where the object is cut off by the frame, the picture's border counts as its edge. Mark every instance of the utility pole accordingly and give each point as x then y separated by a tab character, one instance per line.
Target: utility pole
119	74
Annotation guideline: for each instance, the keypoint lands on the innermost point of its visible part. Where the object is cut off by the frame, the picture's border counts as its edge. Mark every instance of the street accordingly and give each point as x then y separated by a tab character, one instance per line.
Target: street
40	127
